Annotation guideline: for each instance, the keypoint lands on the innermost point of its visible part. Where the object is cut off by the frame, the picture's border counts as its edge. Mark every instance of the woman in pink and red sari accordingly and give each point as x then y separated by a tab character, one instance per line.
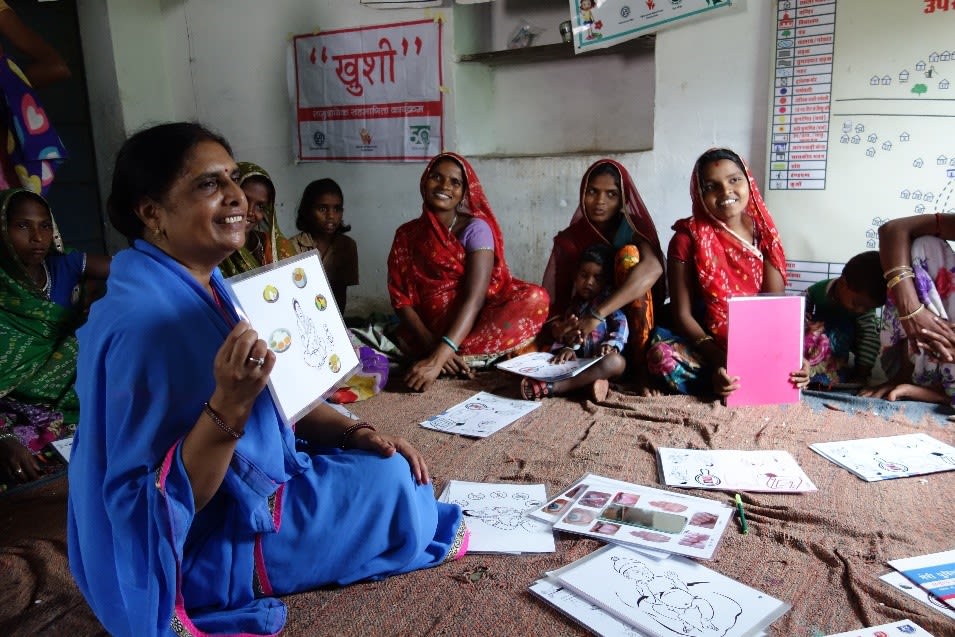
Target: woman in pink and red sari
611	213
458	305
729	247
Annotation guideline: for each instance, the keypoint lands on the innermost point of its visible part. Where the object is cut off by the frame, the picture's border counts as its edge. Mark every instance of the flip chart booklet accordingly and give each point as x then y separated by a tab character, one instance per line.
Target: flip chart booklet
590	616
934	572
735	470
480	415
291	305
537	365
495	516
637	516
764	345
916	592
904	627
673	595
874	459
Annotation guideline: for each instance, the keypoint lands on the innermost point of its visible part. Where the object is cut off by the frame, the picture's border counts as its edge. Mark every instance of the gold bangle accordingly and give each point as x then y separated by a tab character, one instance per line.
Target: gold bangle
888	273
702	339
908	316
898	279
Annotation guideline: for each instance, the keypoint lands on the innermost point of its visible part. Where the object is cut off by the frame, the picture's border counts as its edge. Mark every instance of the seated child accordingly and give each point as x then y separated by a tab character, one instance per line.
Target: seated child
841	321
591	288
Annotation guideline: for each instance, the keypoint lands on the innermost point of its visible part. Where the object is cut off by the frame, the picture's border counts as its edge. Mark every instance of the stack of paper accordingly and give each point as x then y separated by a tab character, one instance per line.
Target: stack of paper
494	514
666	595
637	516
538	365
735	470
934	573
902	456
480	415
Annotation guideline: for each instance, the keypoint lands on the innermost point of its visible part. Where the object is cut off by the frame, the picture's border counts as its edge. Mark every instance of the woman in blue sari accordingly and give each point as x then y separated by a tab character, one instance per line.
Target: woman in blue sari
190	507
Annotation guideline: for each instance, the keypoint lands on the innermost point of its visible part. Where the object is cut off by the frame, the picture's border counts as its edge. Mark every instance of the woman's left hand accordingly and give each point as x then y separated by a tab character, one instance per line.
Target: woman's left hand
800	377
385	445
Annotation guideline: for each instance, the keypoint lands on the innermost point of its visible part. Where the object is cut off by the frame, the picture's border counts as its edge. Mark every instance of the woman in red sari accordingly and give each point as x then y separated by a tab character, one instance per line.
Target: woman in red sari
449	283
729	247
612	213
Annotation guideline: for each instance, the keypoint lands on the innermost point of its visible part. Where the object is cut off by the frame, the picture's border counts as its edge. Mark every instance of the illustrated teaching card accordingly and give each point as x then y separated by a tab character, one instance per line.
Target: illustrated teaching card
480	415
874	459
904	584
758	470
764	346
495	516
291	305
934	572
671	596
638	516
905	627
537	365
588	615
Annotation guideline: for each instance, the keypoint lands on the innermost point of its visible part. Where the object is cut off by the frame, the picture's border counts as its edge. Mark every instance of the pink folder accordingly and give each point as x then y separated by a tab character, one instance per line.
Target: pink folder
764	347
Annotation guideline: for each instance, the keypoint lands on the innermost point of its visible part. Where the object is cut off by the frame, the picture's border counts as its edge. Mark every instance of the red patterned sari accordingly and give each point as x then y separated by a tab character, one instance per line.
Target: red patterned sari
426	271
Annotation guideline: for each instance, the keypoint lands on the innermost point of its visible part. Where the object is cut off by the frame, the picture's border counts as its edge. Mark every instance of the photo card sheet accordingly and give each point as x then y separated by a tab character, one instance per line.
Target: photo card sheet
538	365
637	516
904	627
670	596
480	415
291	306
768	470
764	345
874	459
934	572
495	515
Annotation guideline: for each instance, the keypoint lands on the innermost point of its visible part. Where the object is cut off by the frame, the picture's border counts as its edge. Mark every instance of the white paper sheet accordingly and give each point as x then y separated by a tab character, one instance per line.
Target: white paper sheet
480	415
758	470
874	459
495	517
589	615
901	582
905	627
537	365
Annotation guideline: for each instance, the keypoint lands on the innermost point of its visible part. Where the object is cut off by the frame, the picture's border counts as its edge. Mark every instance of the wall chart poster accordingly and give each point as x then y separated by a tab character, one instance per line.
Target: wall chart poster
598	24
368	93
291	306
862	124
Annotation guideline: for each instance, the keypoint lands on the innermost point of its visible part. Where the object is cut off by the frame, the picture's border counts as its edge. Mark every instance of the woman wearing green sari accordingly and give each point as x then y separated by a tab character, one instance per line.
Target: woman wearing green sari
264	241
41	305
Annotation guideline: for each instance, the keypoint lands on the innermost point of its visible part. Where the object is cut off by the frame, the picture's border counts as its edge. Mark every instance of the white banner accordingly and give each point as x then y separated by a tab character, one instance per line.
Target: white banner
368	93
602	23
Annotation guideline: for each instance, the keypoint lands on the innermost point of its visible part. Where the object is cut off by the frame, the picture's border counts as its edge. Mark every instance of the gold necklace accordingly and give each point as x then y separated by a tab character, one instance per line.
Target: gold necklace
453	221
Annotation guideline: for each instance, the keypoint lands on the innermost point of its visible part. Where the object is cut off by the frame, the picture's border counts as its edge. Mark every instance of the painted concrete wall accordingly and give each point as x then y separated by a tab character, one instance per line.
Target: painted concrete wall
223	62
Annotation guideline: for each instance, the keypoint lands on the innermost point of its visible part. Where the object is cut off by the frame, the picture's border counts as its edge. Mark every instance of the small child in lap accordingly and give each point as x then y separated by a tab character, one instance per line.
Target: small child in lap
841	321
591	288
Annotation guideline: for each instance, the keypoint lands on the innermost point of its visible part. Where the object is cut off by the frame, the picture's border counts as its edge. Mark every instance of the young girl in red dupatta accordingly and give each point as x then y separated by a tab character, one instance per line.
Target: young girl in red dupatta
449	282
729	247
612	213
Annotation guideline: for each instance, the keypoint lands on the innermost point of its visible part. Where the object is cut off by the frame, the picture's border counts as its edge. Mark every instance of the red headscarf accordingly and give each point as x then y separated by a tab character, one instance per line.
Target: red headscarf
570	243
726	265
426	263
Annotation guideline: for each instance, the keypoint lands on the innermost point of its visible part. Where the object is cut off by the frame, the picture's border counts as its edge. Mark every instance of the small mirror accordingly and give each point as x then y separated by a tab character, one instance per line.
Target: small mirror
646	518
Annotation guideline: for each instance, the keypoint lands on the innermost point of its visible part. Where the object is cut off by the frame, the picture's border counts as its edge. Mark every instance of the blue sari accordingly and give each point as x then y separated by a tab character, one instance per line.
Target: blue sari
147	562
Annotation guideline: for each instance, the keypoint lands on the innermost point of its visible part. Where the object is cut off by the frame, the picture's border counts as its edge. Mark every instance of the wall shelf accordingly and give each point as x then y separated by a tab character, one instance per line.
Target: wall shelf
558	51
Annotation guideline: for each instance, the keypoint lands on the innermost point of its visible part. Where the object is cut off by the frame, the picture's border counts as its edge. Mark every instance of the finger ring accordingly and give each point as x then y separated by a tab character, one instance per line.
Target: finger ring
19	471
259	362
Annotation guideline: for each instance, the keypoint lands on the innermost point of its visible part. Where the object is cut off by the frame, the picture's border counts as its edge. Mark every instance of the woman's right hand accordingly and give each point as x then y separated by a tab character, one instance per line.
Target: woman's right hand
239	378
17	462
723	383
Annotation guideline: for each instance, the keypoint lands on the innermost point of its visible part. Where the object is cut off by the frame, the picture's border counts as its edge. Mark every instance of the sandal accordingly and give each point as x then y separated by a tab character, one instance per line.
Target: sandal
599	390
533	389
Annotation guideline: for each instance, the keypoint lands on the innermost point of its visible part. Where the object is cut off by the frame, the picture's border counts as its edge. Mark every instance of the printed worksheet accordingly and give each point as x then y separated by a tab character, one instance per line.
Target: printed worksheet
672	596
495	516
904	627
537	365
767	470
480	415
640	517
874	459
588	615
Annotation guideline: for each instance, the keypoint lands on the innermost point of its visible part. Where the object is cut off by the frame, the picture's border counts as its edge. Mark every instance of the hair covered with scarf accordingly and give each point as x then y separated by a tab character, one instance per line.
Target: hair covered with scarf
725	264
